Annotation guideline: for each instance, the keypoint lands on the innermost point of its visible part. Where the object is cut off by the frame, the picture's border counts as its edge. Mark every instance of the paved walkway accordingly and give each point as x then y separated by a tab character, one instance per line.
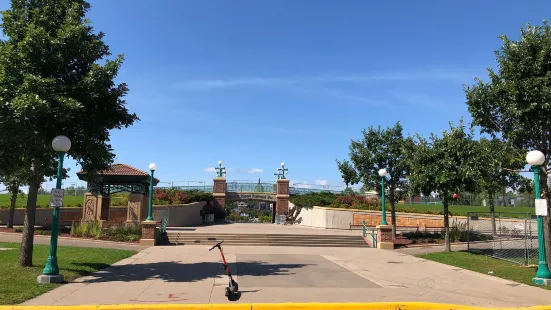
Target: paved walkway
192	274
63	241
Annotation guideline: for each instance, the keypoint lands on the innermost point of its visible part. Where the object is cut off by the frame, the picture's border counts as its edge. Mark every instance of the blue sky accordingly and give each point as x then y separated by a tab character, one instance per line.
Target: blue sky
254	83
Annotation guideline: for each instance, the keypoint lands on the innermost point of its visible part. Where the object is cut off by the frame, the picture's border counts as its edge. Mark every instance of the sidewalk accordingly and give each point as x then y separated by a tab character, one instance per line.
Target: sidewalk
76	242
194	275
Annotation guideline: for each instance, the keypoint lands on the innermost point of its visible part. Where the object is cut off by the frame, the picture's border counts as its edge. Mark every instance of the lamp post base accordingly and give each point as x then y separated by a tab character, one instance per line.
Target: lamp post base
47	279
541	281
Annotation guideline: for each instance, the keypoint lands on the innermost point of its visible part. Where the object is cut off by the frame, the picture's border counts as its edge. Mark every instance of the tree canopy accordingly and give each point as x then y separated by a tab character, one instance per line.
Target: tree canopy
348	173
446	165
56	79
514	104
383	148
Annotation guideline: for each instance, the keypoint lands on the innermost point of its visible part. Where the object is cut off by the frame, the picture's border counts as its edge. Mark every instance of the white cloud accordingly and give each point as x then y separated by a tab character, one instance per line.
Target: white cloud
435	74
255	170
322	182
210	169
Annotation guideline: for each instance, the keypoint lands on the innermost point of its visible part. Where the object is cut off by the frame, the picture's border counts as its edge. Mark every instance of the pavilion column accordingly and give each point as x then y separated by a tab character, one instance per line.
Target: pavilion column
219	193
282	200
90	207
137	208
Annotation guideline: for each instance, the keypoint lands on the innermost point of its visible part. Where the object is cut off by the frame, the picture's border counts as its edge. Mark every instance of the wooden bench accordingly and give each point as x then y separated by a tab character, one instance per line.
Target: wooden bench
64	219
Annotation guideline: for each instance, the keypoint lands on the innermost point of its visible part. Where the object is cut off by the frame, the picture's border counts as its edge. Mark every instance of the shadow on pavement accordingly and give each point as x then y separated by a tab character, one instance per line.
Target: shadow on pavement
186	272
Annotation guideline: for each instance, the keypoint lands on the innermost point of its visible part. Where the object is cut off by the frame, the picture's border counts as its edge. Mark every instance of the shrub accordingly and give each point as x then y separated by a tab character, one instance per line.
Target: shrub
313	199
94	230
176	196
354	201
265	219
123	233
86	229
458	233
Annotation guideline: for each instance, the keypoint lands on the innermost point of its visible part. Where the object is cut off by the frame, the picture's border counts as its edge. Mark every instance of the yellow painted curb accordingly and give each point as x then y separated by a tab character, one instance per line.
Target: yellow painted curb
273	306
175	307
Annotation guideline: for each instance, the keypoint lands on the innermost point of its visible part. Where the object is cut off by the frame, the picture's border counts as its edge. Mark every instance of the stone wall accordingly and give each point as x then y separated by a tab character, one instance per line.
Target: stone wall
179	215
321	217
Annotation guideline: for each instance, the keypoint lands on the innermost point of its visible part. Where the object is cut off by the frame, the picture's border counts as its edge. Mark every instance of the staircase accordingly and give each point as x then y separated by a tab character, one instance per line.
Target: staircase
185	238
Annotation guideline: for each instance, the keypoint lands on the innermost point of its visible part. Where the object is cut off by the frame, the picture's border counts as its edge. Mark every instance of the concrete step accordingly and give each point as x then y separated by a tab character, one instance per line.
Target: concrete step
263	235
181	238
268	240
278	244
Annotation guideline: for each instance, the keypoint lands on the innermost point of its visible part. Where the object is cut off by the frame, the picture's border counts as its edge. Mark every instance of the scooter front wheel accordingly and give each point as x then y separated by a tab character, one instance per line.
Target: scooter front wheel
228	292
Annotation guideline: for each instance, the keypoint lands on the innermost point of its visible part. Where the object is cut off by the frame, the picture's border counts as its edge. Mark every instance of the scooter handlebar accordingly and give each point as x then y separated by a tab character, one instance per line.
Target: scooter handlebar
216	246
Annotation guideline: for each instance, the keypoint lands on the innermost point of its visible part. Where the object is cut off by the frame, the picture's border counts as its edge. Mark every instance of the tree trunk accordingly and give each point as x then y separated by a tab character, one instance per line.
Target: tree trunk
492	212
547	237
14	189
447	225
27	242
504	203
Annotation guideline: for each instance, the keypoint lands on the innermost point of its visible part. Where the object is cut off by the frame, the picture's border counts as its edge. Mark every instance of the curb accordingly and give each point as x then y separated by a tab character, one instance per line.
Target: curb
291	306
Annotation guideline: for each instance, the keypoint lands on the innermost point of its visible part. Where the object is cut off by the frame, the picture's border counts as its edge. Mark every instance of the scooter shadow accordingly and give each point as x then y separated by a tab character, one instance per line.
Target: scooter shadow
237	295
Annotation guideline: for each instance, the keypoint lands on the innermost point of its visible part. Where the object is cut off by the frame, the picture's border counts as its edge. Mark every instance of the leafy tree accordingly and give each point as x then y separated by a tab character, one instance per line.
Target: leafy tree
56	79
388	149
307	201
348	173
500	165
13	182
445	165
515	103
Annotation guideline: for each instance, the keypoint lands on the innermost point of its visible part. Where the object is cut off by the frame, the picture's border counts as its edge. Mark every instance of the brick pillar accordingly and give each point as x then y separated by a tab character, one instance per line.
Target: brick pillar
219	193
282	197
89	209
149	233
137	208
384	237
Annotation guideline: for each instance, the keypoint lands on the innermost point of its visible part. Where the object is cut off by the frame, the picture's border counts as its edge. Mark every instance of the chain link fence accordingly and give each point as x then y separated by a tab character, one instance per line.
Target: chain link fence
511	237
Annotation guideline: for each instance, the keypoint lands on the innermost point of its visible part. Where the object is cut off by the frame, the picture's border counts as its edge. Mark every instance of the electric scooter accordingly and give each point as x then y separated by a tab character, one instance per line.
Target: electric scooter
232	287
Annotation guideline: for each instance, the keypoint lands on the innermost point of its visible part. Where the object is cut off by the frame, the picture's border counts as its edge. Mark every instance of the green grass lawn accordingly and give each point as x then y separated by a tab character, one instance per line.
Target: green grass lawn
463	210
19	284
485	264
42	201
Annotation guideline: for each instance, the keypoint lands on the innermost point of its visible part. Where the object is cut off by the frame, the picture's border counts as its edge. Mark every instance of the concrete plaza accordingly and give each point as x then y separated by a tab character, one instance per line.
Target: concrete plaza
192	274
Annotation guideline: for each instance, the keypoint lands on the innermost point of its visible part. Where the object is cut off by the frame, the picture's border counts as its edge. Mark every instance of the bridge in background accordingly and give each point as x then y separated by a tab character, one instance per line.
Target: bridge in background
255	187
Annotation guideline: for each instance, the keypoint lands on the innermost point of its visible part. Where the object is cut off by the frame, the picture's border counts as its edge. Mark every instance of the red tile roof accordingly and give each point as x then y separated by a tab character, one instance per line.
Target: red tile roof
121	169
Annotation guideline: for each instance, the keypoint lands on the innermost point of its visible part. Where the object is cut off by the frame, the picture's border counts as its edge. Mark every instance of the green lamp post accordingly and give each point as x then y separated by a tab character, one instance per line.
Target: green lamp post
152	167
280	172
543	275
220	171
382	174
50	274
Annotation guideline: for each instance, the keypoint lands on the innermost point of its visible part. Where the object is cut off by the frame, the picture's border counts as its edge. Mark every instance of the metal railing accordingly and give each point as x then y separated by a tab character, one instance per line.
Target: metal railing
372	234
256	187
511	237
